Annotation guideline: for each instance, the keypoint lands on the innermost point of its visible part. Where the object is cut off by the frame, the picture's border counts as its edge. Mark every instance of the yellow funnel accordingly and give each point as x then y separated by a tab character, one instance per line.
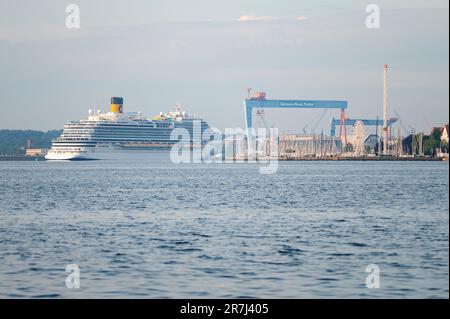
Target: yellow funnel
117	104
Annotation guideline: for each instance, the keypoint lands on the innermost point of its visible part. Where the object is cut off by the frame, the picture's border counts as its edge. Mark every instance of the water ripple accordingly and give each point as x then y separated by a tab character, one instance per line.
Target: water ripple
153	230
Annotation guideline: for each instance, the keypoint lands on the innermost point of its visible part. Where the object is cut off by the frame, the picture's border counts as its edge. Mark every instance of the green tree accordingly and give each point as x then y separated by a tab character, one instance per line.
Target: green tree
444	147
348	147
432	142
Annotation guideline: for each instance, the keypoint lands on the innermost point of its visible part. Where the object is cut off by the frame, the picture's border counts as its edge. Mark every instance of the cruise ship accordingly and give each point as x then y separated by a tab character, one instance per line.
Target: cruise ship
116	134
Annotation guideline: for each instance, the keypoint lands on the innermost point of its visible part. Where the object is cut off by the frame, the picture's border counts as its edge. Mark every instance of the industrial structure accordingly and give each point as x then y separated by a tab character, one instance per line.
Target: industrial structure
351	122
259	101
386	141
385	113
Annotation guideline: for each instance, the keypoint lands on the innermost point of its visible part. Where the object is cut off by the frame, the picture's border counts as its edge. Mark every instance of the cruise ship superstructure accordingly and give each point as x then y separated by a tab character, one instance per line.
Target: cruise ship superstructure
116	134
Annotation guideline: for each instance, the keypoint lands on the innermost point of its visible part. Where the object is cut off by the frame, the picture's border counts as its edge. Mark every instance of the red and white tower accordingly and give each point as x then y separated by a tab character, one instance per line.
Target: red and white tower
385	113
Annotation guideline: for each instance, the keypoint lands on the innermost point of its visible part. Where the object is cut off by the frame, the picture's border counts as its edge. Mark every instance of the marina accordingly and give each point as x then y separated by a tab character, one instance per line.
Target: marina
350	158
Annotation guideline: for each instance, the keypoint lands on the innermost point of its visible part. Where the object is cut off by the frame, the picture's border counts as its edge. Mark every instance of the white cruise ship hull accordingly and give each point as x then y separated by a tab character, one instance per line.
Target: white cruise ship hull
103	153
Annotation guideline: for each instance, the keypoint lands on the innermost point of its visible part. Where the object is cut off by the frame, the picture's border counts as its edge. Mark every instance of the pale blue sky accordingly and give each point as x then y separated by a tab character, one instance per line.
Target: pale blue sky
157	53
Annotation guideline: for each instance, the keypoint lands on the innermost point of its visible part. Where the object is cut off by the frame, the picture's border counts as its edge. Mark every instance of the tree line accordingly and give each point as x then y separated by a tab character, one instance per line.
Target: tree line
14	142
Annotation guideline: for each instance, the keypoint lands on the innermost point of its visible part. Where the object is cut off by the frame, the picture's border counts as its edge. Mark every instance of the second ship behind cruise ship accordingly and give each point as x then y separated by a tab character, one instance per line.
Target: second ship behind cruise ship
116	134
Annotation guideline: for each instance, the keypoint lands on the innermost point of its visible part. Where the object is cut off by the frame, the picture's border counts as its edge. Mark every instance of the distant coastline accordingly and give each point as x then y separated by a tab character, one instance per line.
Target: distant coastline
14	145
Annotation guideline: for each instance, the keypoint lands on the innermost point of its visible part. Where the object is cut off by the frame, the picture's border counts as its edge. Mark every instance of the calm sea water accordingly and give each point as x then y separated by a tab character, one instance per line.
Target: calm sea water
150	229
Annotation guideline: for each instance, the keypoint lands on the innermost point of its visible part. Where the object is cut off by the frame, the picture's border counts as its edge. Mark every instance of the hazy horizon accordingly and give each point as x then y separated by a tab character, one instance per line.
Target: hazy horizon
204	54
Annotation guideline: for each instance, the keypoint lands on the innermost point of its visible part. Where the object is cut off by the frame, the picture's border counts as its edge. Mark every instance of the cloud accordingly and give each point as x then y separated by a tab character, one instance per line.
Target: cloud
252	17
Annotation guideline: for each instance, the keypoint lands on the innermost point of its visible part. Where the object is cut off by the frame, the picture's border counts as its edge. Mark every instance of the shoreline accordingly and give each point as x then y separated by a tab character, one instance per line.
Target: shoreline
283	159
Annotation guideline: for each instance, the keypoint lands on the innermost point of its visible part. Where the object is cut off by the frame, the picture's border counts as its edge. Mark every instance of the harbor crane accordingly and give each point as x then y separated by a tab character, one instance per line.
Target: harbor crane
351	122
259	101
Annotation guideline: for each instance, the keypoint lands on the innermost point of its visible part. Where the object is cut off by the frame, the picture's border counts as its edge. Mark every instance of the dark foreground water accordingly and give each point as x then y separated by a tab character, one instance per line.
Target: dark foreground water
149	229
